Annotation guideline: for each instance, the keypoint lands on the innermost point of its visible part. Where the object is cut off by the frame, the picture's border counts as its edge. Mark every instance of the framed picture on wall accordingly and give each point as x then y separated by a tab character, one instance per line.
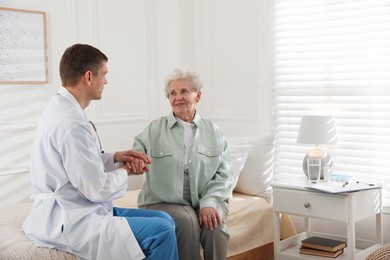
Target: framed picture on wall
23	47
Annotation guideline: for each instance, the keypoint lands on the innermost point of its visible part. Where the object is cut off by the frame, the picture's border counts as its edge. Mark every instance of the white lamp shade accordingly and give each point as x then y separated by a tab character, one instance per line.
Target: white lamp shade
317	130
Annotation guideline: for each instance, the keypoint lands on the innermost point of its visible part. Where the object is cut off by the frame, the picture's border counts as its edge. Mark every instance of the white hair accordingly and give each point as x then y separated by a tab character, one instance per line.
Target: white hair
191	76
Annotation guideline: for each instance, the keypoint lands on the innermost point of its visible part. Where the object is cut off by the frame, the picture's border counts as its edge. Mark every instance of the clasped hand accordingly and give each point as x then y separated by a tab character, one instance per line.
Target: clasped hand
134	162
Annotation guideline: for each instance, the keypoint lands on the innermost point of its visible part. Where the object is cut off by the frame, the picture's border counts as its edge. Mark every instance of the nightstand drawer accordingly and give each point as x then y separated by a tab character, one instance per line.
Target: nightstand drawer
310	204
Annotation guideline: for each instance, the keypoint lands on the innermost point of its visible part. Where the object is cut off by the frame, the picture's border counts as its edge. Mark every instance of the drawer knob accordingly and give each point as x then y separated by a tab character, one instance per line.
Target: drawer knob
307	205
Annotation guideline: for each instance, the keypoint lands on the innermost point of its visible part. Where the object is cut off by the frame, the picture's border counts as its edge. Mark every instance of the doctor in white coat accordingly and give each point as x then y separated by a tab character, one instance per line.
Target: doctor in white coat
74	183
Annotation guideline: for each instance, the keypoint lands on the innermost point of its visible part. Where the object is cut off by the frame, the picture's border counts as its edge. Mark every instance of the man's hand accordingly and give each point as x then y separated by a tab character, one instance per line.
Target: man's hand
209	217
127	156
137	166
133	161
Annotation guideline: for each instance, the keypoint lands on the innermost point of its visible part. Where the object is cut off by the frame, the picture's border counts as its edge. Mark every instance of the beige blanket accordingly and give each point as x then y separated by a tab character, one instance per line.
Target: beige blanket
13	242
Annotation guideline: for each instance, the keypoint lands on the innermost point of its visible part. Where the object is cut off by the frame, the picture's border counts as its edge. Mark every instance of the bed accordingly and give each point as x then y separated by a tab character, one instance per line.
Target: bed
249	225
250	221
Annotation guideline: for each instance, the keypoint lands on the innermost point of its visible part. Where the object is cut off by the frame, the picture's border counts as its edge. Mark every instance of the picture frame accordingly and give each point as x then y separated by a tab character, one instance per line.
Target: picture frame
23	47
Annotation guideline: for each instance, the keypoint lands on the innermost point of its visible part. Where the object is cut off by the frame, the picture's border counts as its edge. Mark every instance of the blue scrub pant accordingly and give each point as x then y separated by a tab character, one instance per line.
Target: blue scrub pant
154	231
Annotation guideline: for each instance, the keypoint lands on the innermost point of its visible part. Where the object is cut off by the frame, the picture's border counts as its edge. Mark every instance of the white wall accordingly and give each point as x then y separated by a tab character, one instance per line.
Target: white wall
226	41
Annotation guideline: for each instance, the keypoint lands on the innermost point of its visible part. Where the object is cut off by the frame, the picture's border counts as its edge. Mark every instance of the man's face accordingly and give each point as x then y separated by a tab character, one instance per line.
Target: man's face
98	81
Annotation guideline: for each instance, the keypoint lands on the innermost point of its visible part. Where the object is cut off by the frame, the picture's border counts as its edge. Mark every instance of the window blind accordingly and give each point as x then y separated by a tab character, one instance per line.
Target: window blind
333	58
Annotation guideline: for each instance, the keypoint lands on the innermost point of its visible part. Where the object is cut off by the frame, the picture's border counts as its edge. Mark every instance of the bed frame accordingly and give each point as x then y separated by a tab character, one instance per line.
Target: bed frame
265	252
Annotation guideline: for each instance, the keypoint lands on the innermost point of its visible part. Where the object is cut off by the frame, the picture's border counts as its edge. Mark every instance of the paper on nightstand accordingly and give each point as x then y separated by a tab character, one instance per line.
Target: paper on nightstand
340	187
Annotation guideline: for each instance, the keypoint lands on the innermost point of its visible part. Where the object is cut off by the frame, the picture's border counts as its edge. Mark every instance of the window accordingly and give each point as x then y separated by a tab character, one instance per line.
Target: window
333	58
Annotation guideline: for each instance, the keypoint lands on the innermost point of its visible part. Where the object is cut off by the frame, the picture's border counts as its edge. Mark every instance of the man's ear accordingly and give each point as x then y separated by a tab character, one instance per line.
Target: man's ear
88	77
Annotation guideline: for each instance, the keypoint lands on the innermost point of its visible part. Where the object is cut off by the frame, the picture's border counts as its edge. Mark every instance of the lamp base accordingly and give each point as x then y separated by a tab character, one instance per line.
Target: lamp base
326	160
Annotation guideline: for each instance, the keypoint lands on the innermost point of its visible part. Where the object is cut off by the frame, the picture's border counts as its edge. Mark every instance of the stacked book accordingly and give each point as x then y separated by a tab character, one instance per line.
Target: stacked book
321	246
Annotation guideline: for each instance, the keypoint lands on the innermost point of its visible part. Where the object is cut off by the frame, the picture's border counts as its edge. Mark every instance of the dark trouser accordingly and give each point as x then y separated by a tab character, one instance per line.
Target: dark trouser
189	233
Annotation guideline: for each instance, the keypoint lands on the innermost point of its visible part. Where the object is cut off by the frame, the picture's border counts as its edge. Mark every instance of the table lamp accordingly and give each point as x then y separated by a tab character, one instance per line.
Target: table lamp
318	130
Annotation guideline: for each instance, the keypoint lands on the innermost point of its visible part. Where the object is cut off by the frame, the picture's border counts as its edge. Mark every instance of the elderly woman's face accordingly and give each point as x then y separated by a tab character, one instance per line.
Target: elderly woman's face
183	99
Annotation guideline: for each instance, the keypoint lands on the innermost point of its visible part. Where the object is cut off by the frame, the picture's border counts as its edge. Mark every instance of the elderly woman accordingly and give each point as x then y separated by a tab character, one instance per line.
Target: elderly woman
190	176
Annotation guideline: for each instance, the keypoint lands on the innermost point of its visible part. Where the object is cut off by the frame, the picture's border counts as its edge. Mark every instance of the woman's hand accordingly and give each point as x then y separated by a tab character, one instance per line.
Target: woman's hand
209	217
137	166
135	162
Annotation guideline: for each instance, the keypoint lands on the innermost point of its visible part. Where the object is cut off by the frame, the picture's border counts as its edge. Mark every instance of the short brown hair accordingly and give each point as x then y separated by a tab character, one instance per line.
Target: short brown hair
77	59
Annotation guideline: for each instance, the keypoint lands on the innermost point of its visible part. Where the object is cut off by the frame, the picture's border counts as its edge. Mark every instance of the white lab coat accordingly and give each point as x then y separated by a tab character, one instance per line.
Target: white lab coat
73	185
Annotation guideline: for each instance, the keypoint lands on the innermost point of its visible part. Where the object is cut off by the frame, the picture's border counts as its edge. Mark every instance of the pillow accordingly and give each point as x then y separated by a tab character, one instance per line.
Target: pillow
238	155
256	176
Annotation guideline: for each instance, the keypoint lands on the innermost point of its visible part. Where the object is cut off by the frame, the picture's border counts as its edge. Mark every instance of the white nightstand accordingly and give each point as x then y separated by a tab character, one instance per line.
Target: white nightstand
293	198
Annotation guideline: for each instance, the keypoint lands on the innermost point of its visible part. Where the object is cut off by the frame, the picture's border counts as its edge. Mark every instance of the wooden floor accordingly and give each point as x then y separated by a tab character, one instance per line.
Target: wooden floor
265	252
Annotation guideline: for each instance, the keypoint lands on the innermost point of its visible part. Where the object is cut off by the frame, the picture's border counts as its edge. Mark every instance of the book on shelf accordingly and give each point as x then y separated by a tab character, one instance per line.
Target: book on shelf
322	243
311	251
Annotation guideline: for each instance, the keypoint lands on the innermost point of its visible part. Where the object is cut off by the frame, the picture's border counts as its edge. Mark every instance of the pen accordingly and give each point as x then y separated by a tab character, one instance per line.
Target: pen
369	184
